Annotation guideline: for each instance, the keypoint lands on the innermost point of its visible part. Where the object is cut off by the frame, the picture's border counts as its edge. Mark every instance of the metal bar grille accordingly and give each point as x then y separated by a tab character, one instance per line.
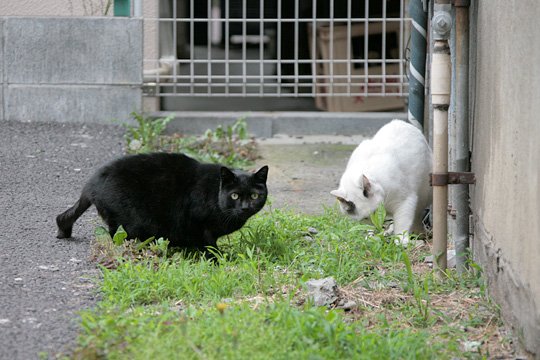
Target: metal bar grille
276	48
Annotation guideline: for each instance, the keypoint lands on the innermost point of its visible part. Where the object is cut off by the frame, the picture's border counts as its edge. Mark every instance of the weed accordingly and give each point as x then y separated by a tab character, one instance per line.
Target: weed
146	137
419	290
230	145
110	251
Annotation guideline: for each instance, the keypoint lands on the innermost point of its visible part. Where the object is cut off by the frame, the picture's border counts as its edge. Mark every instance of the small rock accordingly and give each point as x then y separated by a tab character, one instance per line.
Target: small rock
312	230
18	280
347	305
48	267
323	292
135	145
74	260
471	346
4	321
29	320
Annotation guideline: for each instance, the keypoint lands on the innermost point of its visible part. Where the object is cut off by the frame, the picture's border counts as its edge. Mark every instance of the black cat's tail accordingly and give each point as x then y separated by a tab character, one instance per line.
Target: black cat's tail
66	219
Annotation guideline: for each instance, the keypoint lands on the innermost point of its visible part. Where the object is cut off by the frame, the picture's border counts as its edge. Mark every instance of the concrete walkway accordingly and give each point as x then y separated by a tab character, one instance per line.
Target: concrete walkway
45	281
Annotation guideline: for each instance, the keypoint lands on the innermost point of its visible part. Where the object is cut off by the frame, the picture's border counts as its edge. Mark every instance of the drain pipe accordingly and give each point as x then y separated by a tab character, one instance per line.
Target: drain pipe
460	197
440	99
417	66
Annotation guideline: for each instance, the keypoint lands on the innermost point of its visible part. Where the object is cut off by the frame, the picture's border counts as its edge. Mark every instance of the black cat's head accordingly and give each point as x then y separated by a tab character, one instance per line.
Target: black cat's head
242	194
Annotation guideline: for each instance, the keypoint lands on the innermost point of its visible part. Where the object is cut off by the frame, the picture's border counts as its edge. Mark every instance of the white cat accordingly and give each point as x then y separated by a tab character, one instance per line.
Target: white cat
393	169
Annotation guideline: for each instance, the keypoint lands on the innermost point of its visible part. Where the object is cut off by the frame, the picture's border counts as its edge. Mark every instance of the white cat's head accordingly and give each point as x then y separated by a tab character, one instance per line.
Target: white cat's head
360	197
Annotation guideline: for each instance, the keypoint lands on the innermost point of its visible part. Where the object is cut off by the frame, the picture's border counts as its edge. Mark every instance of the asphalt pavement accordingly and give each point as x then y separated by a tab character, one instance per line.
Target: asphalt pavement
45	281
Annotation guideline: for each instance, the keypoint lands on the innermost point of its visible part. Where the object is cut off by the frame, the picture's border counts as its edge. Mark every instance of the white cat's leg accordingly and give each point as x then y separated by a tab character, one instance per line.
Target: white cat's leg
404	218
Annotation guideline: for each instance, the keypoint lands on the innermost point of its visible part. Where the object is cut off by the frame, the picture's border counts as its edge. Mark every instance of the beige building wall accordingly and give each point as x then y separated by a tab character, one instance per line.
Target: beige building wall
506	157
54	8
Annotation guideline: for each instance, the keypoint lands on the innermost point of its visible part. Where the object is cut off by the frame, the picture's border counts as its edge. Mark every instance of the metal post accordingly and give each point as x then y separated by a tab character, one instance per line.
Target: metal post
417	65
440	98
460	197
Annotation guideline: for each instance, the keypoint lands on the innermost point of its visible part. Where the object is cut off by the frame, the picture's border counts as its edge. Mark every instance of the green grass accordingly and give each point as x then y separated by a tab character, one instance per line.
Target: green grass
252	305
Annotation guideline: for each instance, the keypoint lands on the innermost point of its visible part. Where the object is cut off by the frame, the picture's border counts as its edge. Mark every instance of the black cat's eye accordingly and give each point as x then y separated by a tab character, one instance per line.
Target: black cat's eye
234	196
254	196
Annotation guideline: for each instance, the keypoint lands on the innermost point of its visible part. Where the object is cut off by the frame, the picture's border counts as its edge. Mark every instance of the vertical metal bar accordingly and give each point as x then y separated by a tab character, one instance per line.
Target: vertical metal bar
209	47
174	48
227	61
366	47
349	47
296	20
278	55
244	46
331	46
261	48
314	55
383	51
401	31
192	46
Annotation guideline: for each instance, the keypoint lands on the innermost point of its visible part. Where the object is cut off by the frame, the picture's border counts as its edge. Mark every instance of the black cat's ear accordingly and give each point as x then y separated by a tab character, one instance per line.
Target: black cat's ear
227	176
261	175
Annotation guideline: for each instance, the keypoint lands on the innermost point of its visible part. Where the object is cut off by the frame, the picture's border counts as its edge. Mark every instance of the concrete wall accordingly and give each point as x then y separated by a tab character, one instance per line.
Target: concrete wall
506	158
70	69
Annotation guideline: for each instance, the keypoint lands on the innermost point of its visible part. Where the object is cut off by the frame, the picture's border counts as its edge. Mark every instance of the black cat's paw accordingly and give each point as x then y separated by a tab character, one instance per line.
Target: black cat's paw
62	234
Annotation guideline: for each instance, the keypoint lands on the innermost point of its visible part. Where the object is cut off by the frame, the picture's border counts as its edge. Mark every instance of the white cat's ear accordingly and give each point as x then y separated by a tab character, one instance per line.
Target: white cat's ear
338	193
366	185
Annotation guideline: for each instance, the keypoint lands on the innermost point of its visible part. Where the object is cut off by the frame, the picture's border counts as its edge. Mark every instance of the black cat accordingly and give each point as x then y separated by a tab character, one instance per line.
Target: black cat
171	196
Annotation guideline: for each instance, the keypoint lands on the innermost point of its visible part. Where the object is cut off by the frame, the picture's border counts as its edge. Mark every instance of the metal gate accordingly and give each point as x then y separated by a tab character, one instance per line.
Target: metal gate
347	55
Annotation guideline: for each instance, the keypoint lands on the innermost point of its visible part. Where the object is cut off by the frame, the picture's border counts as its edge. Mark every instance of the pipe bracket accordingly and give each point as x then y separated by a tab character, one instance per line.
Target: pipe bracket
451	178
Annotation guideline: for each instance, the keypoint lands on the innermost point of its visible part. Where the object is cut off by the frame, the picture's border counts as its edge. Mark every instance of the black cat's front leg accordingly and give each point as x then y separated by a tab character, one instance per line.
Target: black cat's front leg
209	245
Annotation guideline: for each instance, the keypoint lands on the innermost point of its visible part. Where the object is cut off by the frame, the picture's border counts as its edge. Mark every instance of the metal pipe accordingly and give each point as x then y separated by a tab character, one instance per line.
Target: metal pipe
137	8
460	196
440	99
417	65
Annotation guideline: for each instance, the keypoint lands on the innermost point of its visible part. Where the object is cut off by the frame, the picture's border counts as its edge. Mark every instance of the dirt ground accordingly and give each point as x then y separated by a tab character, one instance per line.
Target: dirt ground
303	171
